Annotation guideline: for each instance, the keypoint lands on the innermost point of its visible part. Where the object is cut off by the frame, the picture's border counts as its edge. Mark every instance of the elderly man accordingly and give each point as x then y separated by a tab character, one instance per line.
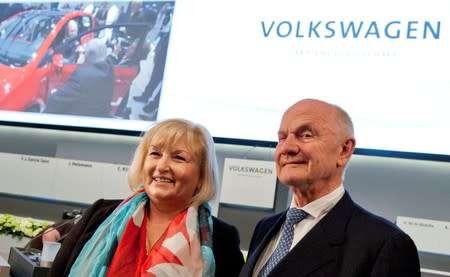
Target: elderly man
324	233
90	88
70	44
72	29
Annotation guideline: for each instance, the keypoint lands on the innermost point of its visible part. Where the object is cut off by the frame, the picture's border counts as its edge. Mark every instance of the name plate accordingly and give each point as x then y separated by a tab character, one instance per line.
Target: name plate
429	235
248	183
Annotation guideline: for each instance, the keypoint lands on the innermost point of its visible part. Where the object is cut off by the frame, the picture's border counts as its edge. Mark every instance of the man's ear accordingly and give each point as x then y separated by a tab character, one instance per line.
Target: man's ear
347	149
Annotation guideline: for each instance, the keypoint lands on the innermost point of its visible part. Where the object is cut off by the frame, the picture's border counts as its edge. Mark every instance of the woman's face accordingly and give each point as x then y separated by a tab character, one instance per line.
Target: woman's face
171	174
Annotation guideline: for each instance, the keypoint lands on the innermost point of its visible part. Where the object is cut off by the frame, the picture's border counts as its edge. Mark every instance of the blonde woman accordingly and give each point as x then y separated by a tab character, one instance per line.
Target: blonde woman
165	227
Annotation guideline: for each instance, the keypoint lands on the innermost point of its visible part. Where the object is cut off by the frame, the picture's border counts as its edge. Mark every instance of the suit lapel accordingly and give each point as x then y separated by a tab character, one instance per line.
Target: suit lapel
268	234
321	246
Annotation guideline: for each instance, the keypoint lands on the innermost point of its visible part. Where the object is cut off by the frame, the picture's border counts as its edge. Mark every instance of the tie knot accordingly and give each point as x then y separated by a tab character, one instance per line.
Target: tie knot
295	215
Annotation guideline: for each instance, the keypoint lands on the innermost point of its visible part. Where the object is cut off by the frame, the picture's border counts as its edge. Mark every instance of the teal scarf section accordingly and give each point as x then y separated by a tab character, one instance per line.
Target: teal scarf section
206	240
97	253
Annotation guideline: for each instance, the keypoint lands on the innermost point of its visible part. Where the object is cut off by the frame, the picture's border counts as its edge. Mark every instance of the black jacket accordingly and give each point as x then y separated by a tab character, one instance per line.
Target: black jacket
348	242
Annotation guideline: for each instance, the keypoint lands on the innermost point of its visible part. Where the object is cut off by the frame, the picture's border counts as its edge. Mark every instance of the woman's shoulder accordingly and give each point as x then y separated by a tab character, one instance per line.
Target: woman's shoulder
101	208
107	202
104	204
223	226
226	248
218	221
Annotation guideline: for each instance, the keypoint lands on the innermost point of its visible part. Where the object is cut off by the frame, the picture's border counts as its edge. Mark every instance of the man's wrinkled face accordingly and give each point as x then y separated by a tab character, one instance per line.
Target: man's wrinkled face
308	148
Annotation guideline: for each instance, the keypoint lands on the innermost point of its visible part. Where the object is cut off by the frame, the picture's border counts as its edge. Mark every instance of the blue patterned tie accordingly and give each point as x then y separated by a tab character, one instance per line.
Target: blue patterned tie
293	217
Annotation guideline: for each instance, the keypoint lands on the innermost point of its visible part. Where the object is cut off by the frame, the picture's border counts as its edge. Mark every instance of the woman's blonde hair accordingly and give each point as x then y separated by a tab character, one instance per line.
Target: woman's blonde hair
198	140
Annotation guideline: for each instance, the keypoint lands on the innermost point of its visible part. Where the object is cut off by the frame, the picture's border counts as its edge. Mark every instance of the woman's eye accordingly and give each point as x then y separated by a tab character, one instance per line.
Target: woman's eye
154	153
181	158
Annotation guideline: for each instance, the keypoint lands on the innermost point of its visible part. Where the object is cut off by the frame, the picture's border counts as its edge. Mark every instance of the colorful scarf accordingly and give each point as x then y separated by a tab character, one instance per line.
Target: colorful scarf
118	246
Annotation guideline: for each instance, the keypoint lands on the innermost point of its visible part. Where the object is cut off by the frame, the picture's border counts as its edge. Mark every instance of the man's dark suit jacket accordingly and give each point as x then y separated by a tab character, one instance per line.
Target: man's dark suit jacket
88	91
348	242
227	253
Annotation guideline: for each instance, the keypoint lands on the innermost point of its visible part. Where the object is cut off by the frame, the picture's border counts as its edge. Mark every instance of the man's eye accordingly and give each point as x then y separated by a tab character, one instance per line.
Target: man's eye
306	135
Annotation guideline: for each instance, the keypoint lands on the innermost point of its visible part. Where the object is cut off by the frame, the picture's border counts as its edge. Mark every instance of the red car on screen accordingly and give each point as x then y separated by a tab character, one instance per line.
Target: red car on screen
35	56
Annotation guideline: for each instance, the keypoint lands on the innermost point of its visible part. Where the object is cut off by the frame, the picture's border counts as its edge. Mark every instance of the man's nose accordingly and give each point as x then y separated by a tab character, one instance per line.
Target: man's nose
289	146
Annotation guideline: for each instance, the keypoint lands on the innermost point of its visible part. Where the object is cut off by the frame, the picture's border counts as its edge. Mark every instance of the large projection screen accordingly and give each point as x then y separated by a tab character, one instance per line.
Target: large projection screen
235	66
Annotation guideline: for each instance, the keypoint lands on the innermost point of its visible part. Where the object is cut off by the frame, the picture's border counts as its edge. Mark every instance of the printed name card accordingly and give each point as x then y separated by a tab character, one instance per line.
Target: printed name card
248	183
63	179
429	235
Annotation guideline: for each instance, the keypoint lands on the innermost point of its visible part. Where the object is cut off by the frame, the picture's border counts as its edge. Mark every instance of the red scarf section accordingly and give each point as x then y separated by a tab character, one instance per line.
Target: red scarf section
130	257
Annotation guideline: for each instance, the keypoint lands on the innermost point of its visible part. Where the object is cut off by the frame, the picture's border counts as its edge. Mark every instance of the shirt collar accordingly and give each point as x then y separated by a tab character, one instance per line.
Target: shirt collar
322	205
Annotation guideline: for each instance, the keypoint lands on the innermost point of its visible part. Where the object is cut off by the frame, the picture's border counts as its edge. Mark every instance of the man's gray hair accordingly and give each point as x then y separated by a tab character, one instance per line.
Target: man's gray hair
95	51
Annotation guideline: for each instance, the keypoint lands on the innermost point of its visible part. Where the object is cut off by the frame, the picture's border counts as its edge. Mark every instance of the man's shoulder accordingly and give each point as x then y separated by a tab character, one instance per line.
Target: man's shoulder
267	222
373	225
95	71
271	219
